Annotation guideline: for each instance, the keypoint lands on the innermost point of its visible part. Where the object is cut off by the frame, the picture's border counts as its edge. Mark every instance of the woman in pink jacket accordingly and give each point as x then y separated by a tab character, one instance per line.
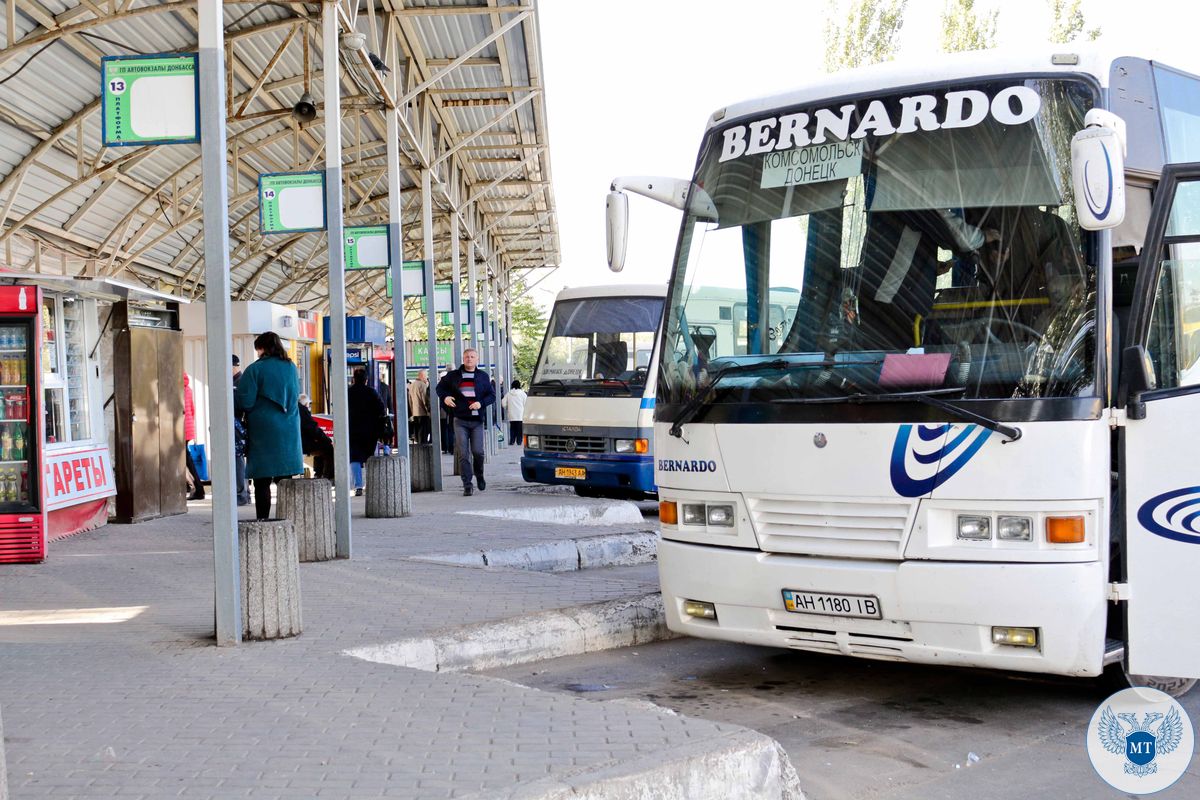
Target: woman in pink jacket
189	433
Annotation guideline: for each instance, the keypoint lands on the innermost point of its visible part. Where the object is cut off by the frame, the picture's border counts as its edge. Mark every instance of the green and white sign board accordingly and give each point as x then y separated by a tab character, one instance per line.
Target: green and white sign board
149	100
447	318
443	300
365	247
412	279
291	202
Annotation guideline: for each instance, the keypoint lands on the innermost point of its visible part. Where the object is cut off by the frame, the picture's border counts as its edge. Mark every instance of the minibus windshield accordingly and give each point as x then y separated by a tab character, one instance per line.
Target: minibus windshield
598	346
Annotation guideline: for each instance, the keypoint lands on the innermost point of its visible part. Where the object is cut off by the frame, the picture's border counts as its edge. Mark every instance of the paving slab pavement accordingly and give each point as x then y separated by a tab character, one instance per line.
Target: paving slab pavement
111	685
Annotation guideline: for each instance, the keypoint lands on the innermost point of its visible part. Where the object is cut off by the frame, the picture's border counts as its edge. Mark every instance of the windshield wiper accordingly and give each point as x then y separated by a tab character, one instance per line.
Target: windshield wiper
926	396
607	380
692	406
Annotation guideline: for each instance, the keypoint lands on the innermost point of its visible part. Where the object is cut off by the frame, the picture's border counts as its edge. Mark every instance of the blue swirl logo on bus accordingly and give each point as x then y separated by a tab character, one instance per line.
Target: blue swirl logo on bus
923	462
1093	206
1173	515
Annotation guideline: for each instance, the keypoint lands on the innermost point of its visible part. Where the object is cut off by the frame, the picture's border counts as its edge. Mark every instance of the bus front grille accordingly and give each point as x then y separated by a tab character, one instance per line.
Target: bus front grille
838	528
573	444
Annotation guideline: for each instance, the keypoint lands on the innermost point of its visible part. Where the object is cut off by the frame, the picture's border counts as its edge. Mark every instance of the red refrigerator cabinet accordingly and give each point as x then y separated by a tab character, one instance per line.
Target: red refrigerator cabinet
22	506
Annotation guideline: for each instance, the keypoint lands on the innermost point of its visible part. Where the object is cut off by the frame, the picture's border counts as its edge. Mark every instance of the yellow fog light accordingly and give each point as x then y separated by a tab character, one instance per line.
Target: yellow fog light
699	609
641	445
668	512
1017	637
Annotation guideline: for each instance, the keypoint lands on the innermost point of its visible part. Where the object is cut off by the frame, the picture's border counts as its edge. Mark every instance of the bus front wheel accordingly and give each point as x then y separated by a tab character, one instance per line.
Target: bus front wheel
1117	678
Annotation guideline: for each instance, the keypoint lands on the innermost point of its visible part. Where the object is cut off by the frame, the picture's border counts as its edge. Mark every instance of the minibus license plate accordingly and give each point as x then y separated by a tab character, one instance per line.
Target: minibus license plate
838	605
576	473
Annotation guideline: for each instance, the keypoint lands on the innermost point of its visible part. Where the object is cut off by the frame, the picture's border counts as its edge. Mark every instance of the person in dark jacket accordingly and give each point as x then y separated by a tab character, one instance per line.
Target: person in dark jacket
465	393
366	418
239	443
268	394
315	442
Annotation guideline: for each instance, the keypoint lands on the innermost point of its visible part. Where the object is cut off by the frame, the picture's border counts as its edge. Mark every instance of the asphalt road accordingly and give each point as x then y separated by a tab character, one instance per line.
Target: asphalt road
862	729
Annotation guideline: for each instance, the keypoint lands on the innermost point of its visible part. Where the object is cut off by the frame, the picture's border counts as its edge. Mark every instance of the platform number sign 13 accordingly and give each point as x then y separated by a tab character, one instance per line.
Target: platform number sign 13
150	99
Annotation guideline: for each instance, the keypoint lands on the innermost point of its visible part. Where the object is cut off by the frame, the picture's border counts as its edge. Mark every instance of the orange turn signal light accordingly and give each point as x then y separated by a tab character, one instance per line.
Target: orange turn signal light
641	445
1064	530
668	512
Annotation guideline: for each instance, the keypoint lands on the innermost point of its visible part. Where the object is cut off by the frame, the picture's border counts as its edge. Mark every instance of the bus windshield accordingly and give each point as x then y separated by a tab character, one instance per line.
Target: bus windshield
923	242
598	346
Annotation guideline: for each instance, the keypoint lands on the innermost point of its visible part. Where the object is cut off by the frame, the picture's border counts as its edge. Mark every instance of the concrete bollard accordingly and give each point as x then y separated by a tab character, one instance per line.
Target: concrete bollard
308	503
270	579
422	464
388	493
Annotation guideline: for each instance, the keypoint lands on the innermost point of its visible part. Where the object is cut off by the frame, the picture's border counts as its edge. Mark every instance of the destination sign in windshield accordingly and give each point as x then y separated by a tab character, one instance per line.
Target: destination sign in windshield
812	164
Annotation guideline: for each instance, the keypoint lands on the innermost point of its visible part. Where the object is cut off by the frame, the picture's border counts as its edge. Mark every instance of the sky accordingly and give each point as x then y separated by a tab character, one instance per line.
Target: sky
630	85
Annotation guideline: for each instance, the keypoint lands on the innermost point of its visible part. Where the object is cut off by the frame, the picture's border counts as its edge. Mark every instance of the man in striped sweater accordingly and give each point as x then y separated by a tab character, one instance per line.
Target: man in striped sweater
466	392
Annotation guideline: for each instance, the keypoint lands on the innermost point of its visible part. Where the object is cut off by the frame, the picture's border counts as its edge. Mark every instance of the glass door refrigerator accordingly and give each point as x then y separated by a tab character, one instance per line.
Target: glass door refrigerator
22	520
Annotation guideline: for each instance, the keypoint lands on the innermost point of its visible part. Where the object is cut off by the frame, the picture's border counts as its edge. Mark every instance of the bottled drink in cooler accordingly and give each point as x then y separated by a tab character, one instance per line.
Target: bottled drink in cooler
18	452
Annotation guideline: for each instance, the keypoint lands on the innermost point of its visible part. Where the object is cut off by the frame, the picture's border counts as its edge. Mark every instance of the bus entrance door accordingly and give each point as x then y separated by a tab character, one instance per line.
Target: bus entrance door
1161	470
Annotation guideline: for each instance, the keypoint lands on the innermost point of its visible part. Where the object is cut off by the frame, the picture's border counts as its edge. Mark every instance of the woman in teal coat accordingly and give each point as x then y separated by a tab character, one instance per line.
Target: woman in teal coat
268	394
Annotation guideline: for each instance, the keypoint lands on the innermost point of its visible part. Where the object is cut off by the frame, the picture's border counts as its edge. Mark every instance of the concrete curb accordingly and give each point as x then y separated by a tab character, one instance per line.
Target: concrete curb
3	768
562	555
577	512
739	765
535	637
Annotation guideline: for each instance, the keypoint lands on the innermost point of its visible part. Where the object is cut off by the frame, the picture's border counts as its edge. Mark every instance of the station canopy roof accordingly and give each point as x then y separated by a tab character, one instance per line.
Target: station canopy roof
465	74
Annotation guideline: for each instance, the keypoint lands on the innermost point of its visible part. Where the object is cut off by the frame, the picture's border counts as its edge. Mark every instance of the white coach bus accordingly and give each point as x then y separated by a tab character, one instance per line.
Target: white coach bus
972	438
590	412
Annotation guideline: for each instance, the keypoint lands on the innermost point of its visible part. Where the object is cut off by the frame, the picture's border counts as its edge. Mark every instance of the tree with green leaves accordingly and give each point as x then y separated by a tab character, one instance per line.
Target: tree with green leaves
868	32
964	28
1068	23
528	330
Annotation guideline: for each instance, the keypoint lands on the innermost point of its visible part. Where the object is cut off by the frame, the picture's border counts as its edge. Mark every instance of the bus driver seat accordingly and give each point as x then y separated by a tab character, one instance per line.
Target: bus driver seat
612	358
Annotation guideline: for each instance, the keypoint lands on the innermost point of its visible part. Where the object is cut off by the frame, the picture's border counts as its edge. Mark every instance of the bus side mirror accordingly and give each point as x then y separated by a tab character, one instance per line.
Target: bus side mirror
616	212
1098	171
1138	370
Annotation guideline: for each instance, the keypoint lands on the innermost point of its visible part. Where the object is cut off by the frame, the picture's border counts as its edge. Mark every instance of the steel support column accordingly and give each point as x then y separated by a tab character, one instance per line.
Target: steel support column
431	318
215	176
396	260
456	288
337	275
472	294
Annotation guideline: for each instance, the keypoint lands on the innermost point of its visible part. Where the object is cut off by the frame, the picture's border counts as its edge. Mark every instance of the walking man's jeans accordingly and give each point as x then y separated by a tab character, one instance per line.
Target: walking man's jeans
469	431
515	432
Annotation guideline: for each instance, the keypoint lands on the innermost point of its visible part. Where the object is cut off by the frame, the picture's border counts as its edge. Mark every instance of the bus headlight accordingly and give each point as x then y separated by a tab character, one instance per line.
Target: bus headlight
1014	529
693	513
720	516
631	445
974	528
533	442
